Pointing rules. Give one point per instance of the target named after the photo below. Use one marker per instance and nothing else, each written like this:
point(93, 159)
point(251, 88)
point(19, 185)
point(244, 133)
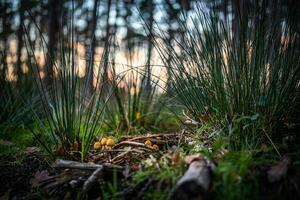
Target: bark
point(195, 183)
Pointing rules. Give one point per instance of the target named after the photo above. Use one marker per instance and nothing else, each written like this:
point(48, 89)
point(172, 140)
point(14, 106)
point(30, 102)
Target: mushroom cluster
point(149, 143)
point(104, 143)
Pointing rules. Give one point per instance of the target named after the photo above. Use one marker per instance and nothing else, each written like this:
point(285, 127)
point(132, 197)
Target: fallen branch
point(144, 137)
point(121, 155)
point(195, 183)
point(87, 184)
point(136, 144)
point(59, 163)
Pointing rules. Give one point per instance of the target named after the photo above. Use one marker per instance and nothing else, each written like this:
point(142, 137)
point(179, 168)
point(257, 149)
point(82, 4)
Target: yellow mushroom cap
point(148, 142)
point(110, 142)
point(103, 141)
point(155, 147)
point(97, 145)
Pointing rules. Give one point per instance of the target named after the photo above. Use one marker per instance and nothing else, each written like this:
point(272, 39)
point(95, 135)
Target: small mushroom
point(110, 142)
point(103, 141)
point(148, 143)
point(97, 145)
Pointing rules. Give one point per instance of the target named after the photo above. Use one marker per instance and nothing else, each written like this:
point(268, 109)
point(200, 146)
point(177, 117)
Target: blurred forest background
point(121, 22)
point(35, 36)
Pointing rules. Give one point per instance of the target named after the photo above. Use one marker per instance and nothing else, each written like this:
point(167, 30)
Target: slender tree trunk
point(107, 30)
point(225, 3)
point(90, 67)
point(150, 8)
point(171, 13)
point(4, 49)
point(5, 46)
point(20, 41)
point(115, 39)
point(53, 29)
point(130, 33)
point(107, 45)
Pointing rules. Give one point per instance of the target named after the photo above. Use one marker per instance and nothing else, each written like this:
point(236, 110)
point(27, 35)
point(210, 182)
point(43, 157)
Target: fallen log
point(195, 183)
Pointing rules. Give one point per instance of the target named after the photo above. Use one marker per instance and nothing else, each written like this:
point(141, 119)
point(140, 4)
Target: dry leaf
point(279, 170)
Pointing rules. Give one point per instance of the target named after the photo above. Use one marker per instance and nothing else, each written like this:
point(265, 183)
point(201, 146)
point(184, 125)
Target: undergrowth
point(223, 73)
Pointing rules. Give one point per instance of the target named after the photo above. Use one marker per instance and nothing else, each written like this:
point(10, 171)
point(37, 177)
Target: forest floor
point(146, 167)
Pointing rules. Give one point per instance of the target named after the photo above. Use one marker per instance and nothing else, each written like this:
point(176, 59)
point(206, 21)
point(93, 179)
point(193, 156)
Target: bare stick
point(137, 144)
point(133, 138)
point(121, 155)
point(87, 184)
point(59, 163)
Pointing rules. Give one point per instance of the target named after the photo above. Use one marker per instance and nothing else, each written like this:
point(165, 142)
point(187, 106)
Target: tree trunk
point(150, 8)
point(171, 13)
point(107, 45)
point(20, 41)
point(53, 29)
point(90, 66)
point(225, 3)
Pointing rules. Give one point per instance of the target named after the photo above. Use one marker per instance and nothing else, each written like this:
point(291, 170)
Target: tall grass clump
point(9, 103)
point(135, 106)
point(14, 98)
point(227, 72)
point(71, 114)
